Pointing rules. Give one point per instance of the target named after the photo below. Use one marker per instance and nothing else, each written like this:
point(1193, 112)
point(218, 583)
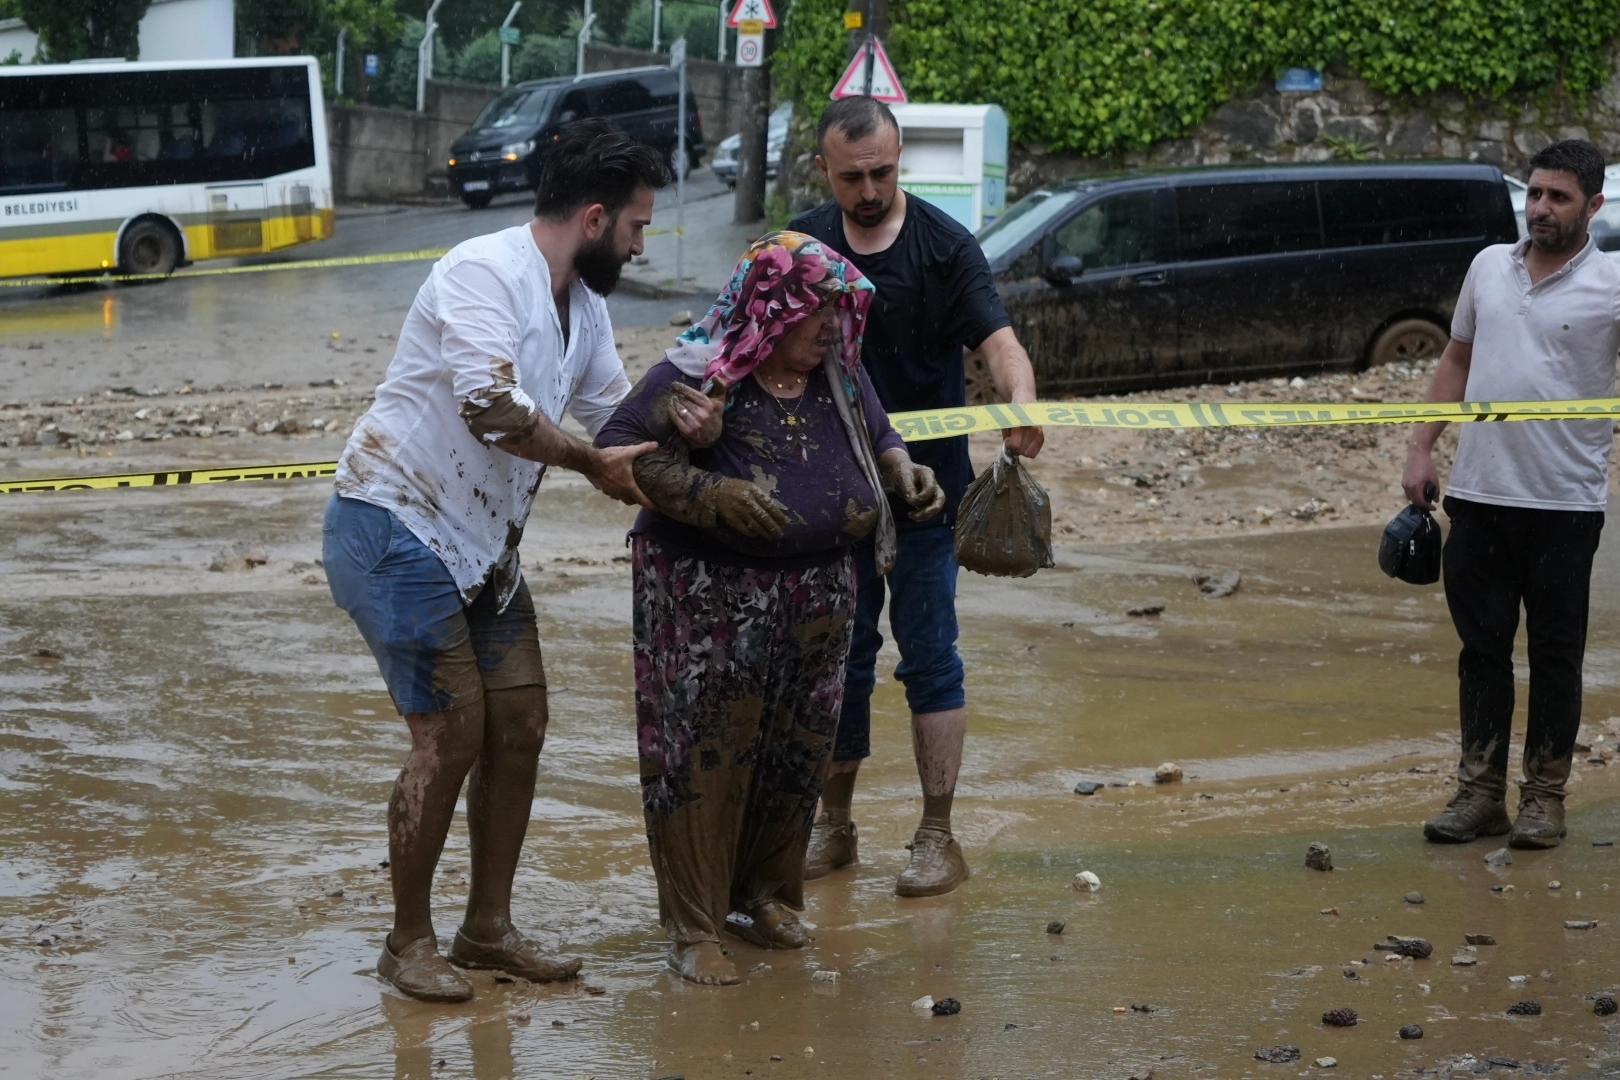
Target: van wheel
point(478, 201)
point(1408, 341)
point(981, 389)
point(149, 247)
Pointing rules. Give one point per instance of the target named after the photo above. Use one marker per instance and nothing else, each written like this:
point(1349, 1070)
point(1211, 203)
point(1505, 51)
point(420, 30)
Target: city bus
point(137, 168)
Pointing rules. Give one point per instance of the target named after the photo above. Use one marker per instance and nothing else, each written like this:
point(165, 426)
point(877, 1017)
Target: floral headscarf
point(780, 281)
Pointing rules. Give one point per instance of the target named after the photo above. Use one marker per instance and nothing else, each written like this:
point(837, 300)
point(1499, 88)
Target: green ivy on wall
point(1104, 76)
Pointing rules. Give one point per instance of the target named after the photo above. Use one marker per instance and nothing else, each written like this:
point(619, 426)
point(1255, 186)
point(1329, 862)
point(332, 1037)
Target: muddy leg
point(499, 796)
point(838, 793)
point(444, 746)
point(936, 738)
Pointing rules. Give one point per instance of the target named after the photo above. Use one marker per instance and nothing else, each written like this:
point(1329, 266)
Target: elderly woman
point(745, 588)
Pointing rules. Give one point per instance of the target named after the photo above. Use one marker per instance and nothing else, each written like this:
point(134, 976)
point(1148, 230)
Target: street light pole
point(337, 67)
point(506, 50)
point(584, 40)
point(424, 57)
point(720, 49)
point(677, 60)
point(658, 22)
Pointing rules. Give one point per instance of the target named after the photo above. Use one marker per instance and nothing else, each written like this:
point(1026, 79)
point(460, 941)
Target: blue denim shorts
point(435, 652)
point(922, 616)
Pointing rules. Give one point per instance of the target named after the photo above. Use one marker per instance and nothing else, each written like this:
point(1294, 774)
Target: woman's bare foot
point(703, 962)
point(775, 926)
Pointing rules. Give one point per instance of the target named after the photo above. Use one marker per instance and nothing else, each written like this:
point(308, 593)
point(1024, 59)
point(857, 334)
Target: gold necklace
point(792, 416)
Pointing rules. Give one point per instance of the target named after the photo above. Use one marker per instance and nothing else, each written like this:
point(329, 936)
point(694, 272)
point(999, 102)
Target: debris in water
point(1086, 881)
point(46, 654)
point(1328, 911)
point(1465, 957)
point(1277, 1055)
point(558, 1024)
point(1144, 1008)
point(1501, 889)
point(824, 976)
point(1500, 857)
point(1412, 1031)
point(594, 990)
point(1087, 787)
point(1317, 857)
point(1604, 1006)
point(1168, 773)
point(924, 1002)
point(1479, 939)
point(1525, 1008)
point(1603, 843)
point(1414, 898)
point(1147, 607)
point(1055, 926)
point(1415, 947)
point(1340, 1018)
point(1555, 885)
point(947, 1007)
point(1518, 979)
point(1218, 586)
point(1580, 924)
point(1327, 1063)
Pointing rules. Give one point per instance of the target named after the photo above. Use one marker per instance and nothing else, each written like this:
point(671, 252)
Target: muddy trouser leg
point(854, 738)
point(697, 720)
point(804, 690)
point(1483, 575)
point(1560, 546)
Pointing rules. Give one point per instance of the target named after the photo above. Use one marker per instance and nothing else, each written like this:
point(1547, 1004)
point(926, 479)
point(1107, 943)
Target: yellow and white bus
point(139, 168)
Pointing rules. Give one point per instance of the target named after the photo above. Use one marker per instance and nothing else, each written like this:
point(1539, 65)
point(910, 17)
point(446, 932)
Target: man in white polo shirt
point(433, 492)
point(1536, 320)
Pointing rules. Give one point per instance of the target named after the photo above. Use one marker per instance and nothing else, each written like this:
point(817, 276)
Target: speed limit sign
point(751, 49)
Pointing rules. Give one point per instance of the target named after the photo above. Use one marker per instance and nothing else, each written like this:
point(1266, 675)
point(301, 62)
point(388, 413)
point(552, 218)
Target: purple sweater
point(808, 467)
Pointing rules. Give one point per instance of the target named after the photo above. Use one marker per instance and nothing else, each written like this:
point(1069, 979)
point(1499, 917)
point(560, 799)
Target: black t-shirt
point(935, 296)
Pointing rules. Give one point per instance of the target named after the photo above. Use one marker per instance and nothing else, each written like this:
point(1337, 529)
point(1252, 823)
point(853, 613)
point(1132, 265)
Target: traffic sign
point(509, 35)
point(753, 9)
point(751, 49)
point(885, 83)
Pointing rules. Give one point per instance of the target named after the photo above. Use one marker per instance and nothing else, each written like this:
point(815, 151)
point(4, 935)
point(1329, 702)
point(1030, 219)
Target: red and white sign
point(750, 50)
point(885, 83)
point(752, 11)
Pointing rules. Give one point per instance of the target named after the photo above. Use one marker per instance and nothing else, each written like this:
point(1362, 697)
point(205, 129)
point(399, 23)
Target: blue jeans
point(922, 617)
point(435, 652)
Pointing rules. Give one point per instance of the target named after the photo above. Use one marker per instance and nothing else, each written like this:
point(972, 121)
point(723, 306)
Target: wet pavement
point(194, 791)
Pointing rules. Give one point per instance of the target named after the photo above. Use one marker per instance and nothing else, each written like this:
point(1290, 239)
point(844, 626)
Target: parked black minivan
point(1144, 279)
point(502, 152)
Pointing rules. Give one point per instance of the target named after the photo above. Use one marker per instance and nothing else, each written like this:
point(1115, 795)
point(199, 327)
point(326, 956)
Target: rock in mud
point(1340, 1018)
point(680, 318)
point(824, 975)
point(1055, 926)
point(1168, 773)
point(1412, 1031)
point(1580, 924)
point(1415, 947)
point(1087, 787)
point(46, 654)
point(1218, 586)
point(946, 1007)
point(1604, 1006)
point(1086, 881)
point(1317, 857)
point(1327, 1063)
point(1465, 957)
point(1145, 1008)
point(1524, 1008)
point(1500, 857)
point(1479, 939)
point(1277, 1055)
point(1147, 608)
point(1414, 898)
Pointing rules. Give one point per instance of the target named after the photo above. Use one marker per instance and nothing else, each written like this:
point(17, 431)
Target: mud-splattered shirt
point(808, 466)
point(483, 327)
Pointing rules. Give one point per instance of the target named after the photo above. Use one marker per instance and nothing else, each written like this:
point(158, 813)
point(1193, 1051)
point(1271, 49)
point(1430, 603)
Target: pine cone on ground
point(1340, 1018)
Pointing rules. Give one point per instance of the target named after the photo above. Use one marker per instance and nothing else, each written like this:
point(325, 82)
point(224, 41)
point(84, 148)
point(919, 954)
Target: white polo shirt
point(483, 321)
point(1556, 339)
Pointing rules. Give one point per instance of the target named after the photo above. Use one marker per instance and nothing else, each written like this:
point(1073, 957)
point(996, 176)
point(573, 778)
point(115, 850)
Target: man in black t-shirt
point(935, 295)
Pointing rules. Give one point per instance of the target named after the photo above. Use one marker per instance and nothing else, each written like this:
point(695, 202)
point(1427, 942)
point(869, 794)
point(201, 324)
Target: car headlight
point(513, 151)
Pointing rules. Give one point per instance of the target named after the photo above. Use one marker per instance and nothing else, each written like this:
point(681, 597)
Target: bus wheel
point(149, 247)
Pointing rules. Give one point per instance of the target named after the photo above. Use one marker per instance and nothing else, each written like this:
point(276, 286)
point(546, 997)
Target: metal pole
point(677, 55)
point(871, 47)
point(720, 49)
point(584, 40)
point(658, 22)
point(424, 57)
point(337, 68)
point(506, 50)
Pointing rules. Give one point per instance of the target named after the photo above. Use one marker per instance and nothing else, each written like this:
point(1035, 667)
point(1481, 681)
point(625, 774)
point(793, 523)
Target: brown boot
point(831, 846)
point(515, 955)
point(936, 866)
point(1469, 814)
point(420, 972)
point(1540, 823)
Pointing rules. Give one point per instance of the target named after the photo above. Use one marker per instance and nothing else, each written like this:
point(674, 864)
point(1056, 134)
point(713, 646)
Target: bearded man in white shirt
point(1536, 321)
point(433, 492)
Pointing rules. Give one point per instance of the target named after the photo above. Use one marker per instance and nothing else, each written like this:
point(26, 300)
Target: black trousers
point(1497, 557)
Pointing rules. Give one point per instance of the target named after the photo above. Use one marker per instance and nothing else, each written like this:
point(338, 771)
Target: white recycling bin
point(955, 157)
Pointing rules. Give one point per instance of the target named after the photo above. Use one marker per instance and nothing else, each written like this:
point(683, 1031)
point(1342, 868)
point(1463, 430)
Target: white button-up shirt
point(483, 323)
point(1553, 340)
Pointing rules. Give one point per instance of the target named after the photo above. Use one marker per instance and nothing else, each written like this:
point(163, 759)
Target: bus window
point(39, 149)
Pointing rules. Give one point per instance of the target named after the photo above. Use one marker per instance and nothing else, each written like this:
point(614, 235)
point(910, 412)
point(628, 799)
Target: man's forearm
point(525, 432)
point(1010, 369)
point(1450, 383)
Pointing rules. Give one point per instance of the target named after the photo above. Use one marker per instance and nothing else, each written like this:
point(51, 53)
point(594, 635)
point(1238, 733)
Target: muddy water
point(192, 800)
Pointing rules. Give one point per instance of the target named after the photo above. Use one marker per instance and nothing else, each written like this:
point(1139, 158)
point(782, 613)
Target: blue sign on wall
point(372, 65)
point(1300, 81)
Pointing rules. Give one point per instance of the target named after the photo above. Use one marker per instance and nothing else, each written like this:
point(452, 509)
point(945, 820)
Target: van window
point(575, 106)
point(1359, 212)
point(1223, 221)
point(1114, 232)
point(618, 98)
point(665, 90)
point(515, 107)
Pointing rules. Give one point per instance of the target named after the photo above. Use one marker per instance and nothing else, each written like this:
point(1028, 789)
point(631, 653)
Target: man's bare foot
point(703, 962)
point(774, 926)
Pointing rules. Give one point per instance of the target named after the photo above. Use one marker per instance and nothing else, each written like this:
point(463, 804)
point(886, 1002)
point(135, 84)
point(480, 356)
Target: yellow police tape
point(255, 268)
point(944, 423)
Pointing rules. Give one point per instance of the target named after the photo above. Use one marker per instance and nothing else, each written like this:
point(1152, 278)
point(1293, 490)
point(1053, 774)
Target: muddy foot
point(702, 962)
point(774, 926)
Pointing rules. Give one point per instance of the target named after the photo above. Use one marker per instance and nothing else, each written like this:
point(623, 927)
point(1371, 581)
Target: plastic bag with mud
point(1004, 525)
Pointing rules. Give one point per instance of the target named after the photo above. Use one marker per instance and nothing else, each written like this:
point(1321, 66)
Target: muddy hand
point(747, 508)
point(697, 417)
point(914, 483)
point(610, 473)
point(1024, 441)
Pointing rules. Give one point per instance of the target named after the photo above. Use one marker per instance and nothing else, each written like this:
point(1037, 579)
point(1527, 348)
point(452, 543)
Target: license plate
point(475, 185)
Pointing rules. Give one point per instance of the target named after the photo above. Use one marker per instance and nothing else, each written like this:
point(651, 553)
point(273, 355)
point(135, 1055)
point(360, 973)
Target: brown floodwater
point(192, 820)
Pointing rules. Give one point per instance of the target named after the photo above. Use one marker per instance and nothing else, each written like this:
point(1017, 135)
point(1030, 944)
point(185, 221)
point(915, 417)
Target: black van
point(1146, 279)
point(502, 151)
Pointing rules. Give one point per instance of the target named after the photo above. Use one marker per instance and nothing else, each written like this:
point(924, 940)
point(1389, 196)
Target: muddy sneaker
point(1467, 815)
point(515, 955)
point(420, 972)
point(831, 846)
point(936, 866)
point(1540, 823)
